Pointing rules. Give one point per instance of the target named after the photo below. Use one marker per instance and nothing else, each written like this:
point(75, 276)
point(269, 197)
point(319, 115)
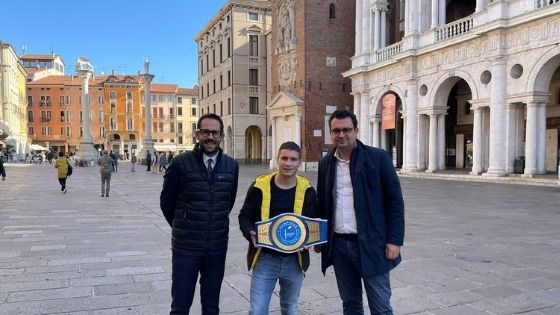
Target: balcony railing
point(389, 51)
point(455, 28)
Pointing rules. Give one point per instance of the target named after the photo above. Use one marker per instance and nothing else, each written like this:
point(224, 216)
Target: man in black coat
point(148, 159)
point(360, 195)
point(199, 190)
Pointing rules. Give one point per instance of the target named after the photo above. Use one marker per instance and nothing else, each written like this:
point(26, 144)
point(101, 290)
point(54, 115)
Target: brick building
point(311, 43)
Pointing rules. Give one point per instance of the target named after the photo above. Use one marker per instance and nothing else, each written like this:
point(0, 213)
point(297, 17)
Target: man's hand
point(254, 238)
point(392, 251)
point(317, 248)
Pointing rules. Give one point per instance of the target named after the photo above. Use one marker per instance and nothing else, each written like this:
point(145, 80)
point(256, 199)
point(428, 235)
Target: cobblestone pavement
point(471, 248)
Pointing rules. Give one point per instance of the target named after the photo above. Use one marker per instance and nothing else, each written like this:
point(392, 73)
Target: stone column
point(87, 152)
point(415, 16)
point(147, 141)
point(477, 142)
point(383, 141)
point(357, 108)
point(441, 142)
point(511, 131)
point(376, 121)
point(411, 127)
point(479, 5)
point(405, 154)
point(376, 29)
point(531, 142)
point(497, 119)
point(383, 28)
point(433, 156)
point(485, 138)
point(407, 17)
point(435, 13)
point(363, 119)
point(273, 150)
point(366, 27)
point(541, 136)
point(359, 27)
point(298, 129)
point(442, 7)
point(422, 131)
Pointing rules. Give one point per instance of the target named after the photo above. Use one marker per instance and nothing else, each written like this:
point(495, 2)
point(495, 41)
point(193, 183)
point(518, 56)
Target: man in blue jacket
point(360, 195)
point(199, 190)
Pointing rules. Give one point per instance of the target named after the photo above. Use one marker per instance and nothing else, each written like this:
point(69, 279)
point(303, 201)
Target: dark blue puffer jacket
point(196, 206)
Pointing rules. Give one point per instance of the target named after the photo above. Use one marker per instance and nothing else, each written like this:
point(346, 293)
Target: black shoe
point(102, 195)
point(107, 195)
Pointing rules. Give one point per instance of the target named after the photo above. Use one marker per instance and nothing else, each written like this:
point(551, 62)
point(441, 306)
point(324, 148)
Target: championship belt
point(288, 232)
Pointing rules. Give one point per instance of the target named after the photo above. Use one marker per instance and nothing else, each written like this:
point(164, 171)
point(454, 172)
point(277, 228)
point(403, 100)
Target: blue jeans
point(187, 264)
point(133, 169)
point(348, 272)
point(269, 269)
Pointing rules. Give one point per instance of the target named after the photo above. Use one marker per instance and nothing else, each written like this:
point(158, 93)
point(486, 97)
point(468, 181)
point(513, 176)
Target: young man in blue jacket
point(360, 195)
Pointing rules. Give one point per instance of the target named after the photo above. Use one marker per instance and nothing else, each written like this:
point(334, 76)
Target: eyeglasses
point(345, 131)
point(207, 132)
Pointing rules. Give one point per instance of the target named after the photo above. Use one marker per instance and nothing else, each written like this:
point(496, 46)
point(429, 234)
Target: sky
point(112, 34)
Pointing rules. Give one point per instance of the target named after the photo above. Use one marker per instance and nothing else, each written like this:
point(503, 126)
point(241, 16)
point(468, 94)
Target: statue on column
point(146, 65)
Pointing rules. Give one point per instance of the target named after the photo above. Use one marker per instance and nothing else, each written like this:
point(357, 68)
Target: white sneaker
point(65, 189)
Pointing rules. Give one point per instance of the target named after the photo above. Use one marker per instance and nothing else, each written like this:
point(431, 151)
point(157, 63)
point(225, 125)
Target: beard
point(204, 145)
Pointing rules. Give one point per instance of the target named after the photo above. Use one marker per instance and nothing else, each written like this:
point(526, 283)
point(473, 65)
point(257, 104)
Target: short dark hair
point(341, 114)
point(290, 145)
point(60, 153)
point(210, 116)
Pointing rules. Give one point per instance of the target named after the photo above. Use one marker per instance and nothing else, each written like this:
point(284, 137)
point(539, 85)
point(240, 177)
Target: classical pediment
point(254, 29)
point(285, 99)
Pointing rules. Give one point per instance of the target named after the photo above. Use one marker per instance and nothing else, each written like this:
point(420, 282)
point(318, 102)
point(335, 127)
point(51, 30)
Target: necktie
point(210, 167)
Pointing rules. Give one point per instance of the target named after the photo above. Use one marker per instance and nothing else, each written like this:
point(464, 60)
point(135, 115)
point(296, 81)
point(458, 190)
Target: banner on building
point(388, 111)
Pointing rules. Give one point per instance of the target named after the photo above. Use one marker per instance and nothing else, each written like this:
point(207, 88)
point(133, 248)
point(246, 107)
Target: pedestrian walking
point(360, 195)
point(199, 190)
point(115, 161)
point(2, 168)
point(148, 160)
point(105, 168)
point(269, 196)
point(162, 162)
point(133, 161)
point(62, 164)
point(50, 157)
point(155, 168)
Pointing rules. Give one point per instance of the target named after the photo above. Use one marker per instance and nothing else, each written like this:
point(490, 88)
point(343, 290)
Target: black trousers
point(62, 182)
point(186, 267)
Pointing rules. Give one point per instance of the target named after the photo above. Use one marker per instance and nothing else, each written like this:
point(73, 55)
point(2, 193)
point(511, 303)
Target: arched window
point(332, 11)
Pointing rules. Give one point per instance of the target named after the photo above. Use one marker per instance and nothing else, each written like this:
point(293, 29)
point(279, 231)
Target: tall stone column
point(359, 27)
point(531, 142)
point(432, 155)
point(87, 152)
point(376, 29)
point(441, 142)
point(477, 142)
point(498, 119)
point(442, 9)
point(147, 141)
point(541, 136)
point(405, 154)
point(273, 150)
point(383, 28)
point(298, 129)
point(422, 132)
point(366, 27)
point(435, 13)
point(363, 123)
point(376, 122)
point(511, 132)
point(411, 127)
point(479, 5)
